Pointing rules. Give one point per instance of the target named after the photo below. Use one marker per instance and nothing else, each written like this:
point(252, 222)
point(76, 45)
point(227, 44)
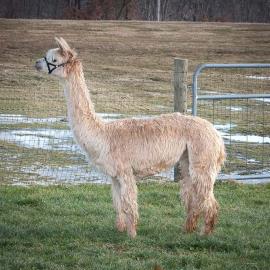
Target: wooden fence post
point(180, 96)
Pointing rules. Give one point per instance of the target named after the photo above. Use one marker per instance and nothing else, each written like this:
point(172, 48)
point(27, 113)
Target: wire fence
point(244, 122)
point(36, 144)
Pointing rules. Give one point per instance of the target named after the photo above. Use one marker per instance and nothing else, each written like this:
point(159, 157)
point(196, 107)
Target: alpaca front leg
point(128, 190)
point(120, 216)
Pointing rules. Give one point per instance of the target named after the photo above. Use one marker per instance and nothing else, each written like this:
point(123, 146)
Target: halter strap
point(49, 64)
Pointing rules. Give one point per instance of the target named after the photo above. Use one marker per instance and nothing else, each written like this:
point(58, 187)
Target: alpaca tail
point(222, 154)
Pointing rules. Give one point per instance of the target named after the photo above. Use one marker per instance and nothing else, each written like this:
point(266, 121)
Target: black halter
point(50, 70)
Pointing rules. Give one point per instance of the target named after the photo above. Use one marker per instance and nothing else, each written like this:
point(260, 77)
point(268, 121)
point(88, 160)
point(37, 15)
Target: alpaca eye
point(54, 60)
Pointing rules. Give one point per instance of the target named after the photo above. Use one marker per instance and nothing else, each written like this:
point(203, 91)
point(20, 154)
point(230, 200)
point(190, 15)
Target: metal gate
point(236, 99)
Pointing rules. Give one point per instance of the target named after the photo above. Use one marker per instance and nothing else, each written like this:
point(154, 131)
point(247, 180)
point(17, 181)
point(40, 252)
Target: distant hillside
point(164, 10)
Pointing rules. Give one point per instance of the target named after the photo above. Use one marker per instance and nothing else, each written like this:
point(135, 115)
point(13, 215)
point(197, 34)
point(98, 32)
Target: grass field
point(72, 227)
point(127, 65)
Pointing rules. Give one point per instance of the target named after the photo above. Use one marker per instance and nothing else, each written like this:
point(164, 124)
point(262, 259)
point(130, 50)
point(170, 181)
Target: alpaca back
point(156, 144)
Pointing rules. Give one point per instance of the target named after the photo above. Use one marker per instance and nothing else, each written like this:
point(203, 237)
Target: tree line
point(151, 10)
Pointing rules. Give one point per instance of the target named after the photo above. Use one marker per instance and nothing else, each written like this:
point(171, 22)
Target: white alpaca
point(129, 149)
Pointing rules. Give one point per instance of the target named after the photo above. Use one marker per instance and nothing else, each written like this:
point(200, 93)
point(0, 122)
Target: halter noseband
point(50, 70)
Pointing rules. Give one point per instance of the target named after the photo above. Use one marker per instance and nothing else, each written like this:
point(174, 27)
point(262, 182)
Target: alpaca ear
point(65, 48)
point(62, 44)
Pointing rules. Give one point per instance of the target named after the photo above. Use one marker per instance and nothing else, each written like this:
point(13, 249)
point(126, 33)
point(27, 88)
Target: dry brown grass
point(127, 64)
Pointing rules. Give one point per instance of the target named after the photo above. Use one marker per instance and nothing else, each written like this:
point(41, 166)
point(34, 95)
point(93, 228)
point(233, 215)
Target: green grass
point(72, 227)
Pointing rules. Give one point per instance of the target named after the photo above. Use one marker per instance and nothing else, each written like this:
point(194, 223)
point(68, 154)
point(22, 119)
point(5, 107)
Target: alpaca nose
point(37, 65)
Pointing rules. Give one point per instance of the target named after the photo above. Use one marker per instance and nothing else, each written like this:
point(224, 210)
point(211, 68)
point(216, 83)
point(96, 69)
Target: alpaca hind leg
point(192, 220)
point(187, 194)
point(204, 200)
point(185, 181)
point(128, 191)
point(191, 205)
point(203, 169)
point(210, 214)
point(116, 195)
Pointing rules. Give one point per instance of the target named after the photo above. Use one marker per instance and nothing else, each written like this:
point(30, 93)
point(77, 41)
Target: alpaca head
point(59, 61)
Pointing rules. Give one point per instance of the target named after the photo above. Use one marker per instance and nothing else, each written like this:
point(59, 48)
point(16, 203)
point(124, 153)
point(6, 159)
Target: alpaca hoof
point(209, 226)
point(189, 230)
point(131, 230)
point(189, 227)
point(120, 226)
point(207, 231)
point(132, 233)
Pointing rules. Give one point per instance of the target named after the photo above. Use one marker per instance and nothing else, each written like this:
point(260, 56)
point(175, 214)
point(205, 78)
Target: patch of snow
point(258, 77)
point(247, 138)
point(234, 108)
point(69, 174)
point(255, 181)
point(22, 119)
point(266, 100)
point(224, 127)
point(47, 139)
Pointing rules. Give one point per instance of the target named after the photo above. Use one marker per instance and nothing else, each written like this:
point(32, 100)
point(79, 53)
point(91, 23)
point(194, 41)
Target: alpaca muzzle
point(51, 67)
point(38, 65)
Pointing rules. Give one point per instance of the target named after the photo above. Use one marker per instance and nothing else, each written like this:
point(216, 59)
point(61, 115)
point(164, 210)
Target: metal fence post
point(180, 95)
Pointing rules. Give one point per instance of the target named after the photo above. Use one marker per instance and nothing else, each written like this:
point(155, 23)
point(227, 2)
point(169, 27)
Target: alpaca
point(130, 149)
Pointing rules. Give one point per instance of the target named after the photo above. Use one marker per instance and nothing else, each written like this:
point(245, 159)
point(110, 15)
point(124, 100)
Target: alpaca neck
point(80, 105)
point(86, 125)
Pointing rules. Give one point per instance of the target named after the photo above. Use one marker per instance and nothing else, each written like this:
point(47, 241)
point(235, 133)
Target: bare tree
point(158, 10)
point(197, 10)
point(123, 7)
